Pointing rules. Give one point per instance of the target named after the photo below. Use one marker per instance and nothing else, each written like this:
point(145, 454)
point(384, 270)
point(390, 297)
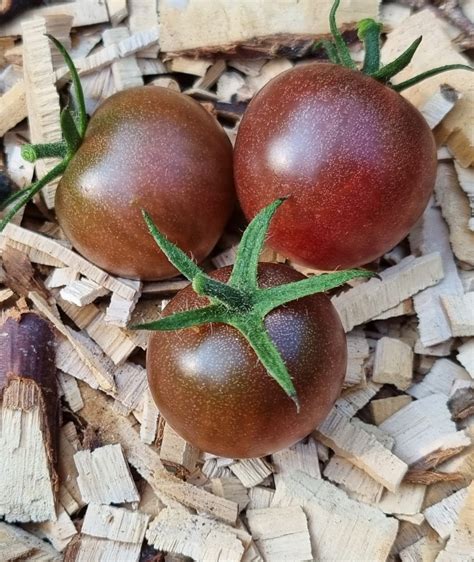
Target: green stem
point(389, 70)
point(428, 74)
point(33, 152)
point(341, 47)
point(330, 49)
point(30, 192)
point(368, 32)
point(240, 302)
point(78, 91)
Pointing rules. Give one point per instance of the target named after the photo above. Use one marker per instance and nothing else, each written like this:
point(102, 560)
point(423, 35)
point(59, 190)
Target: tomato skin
point(210, 387)
point(150, 148)
point(357, 159)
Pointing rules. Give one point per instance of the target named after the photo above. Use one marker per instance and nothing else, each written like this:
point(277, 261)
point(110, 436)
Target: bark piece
point(422, 428)
point(29, 426)
point(104, 476)
point(362, 448)
point(393, 363)
point(367, 300)
point(280, 533)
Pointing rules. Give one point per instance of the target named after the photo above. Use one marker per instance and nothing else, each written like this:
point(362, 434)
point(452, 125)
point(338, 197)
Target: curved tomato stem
point(341, 47)
point(368, 32)
point(428, 74)
point(33, 152)
point(240, 302)
point(330, 49)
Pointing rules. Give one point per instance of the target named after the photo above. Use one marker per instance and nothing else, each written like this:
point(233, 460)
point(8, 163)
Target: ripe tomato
point(210, 387)
point(357, 160)
point(152, 148)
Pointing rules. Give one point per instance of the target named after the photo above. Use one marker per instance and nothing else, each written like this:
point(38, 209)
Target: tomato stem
point(33, 152)
point(423, 76)
point(240, 302)
point(340, 45)
point(368, 32)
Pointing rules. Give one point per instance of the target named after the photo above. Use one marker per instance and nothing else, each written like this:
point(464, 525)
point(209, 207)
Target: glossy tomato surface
point(357, 160)
point(147, 148)
point(209, 385)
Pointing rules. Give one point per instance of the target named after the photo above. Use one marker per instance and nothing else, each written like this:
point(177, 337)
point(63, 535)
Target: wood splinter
point(29, 420)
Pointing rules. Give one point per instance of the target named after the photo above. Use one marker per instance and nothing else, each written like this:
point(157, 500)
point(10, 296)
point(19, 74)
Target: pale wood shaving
point(61, 276)
point(125, 71)
point(353, 400)
point(260, 497)
point(12, 107)
point(93, 548)
point(16, 543)
point(118, 11)
point(423, 427)
point(82, 291)
point(465, 356)
point(383, 408)
point(251, 472)
point(435, 109)
point(104, 476)
point(338, 524)
point(114, 523)
point(357, 355)
point(67, 257)
point(456, 211)
point(202, 539)
point(466, 181)
point(143, 17)
point(393, 363)
point(23, 450)
point(423, 550)
point(59, 533)
point(149, 423)
point(364, 302)
point(407, 500)
point(280, 533)
point(232, 489)
point(460, 311)
point(363, 449)
point(439, 380)
point(442, 516)
point(174, 449)
point(436, 50)
point(431, 234)
point(70, 391)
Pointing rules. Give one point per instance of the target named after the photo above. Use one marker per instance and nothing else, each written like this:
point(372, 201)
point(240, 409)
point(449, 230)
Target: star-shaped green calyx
point(73, 127)
point(369, 32)
point(240, 302)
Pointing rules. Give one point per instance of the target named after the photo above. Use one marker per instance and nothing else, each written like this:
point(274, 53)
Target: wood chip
point(143, 17)
point(422, 428)
point(439, 105)
point(120, 310)
point(29, 420)
point(431, 234)
point(393, 363)
point(61, 276)
point(362, 303)
point(115, 523)
point(466, 182)
point(456, 211)
point(225, 24)
point(12, 107)
point(200, 538)
point(260, 497)
point(383, 408)
point(70, 391)
point(59, 533)
point(407, 500)
point(149, 423)
point(251, 472)
point(466, 356)
point(357, 355)
point(461, 542)
point(82, 291)
point(175, 450)
point(125, 71)
point(439, 380)
point(16, 544)
point(67, 257)
point(118, 11)
point(442, 516)
point(457, 128)
point(232, 489)
point(460, 311)
point(361, 448)
point(104, 476)
point(338, 525)
point(280, 533)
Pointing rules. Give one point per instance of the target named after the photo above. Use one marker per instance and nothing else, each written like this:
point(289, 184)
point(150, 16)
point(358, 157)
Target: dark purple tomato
point(147, 148)
point(357, 160)
point(211, 388)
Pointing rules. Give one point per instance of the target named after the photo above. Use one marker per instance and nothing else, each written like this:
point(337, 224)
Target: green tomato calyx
point(73, 126)
point(369, 32)
point(240, 302)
